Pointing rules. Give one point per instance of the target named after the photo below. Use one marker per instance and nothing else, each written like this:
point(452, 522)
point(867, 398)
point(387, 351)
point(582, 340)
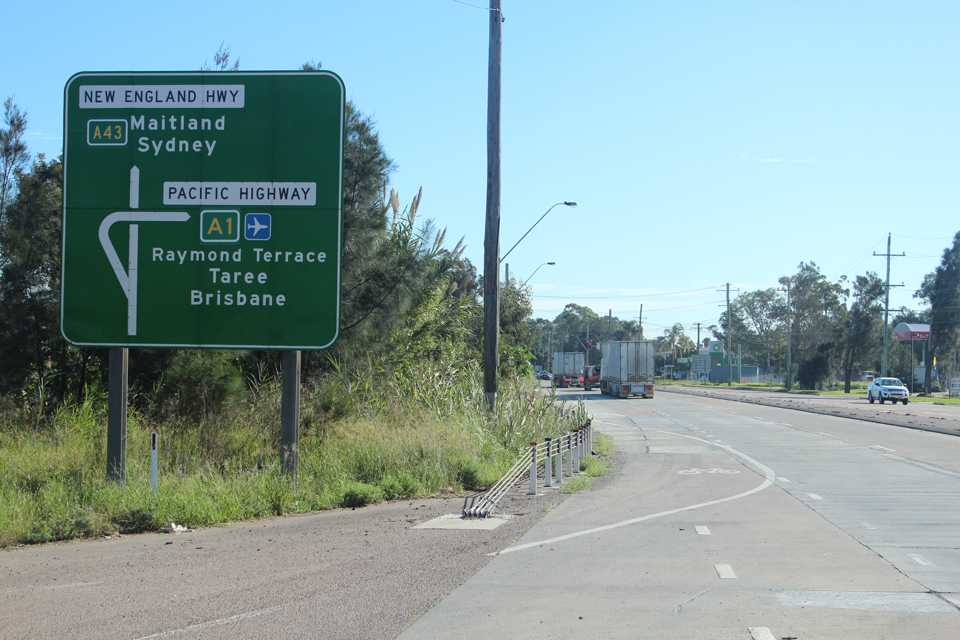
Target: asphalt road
point(722, 520)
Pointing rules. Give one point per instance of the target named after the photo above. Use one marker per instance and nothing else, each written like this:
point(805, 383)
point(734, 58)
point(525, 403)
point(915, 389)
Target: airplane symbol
point(257, 226)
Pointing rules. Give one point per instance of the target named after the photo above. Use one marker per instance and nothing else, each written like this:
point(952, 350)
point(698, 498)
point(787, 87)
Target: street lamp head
point(535, 271)
point(569, 204)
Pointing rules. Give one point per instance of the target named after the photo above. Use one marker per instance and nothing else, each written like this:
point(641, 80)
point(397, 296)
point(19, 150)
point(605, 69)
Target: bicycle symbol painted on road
point(698, 471)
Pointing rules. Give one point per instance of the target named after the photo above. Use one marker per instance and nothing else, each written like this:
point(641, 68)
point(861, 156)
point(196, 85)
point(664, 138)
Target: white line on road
point(879, 448)
point(919, 559)
point(213, 623)
point(867, 525)
point(725, 571)
point(783, 480)
point(761, 633)
point(813, 496)
point(702, 530)
point(768, 474)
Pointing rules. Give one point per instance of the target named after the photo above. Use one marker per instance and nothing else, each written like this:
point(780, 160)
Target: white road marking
point(679, 607)
point(767, 472)
point(783, 480)
point(910, 602)
point(814, 496)
point(702, 530)
point(919, 559)
point(213, 623)
point(866, 525)
point(879, 448)
point(725, 571)
point(71, 585)
point(761, 633)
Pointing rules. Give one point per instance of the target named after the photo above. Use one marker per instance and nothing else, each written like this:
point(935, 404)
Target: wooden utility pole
point(491, 241)
point(886, 304)
point(729, 337)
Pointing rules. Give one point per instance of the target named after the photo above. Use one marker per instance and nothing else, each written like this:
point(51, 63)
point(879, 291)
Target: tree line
point(824, 326)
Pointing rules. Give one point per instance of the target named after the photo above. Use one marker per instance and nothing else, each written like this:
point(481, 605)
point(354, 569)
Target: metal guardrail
point(555, 457)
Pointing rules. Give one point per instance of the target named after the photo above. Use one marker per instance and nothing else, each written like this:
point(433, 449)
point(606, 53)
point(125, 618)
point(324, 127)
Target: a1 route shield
point(202, 209)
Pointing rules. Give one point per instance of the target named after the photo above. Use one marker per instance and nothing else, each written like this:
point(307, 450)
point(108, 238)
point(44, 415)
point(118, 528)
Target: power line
point(617, 297)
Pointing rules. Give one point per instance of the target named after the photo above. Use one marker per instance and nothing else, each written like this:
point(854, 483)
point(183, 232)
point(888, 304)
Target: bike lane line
point(767, 472)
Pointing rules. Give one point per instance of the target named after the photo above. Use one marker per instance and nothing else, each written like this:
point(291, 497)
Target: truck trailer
point(627, 368)
point(567, 368)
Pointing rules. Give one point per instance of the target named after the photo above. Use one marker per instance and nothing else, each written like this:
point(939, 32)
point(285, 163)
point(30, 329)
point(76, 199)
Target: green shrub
point(595, 467)
point(136, 520)
point(576, 485)
point(76, 523)
point(604, 445)
point(475, 475)
point(359, 494)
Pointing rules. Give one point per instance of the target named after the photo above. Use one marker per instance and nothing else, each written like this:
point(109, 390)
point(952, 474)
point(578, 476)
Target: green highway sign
point(202, 209)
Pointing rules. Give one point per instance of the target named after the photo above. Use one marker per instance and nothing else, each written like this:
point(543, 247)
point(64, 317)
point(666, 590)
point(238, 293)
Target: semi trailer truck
point(627, 368)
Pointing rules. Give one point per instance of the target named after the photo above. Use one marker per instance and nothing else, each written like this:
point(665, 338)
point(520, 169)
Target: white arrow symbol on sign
point(128, 277)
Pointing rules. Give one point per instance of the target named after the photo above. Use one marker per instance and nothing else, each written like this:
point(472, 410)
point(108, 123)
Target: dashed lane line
point(919, 559)
point(725, 571)
point(761, 633)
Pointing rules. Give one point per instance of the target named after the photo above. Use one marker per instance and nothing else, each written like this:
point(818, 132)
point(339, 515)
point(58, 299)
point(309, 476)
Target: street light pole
point(569, 204)
point(535, 272)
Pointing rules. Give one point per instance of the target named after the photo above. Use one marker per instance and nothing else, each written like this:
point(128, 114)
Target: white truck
point(567, 368)
point(626, 368)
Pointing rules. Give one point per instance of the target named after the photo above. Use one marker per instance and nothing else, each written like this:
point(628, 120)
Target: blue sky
point(705, 142)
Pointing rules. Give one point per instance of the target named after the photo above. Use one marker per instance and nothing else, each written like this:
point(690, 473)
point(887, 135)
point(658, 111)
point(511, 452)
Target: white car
point(884, 389)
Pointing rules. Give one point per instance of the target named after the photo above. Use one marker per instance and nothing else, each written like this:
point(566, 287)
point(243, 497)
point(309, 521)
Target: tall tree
point(13, 153)
point(30, 341)
point(763, 318)
point(816, 305)
point(857, 330)
point(572, 324)
point(941, 290)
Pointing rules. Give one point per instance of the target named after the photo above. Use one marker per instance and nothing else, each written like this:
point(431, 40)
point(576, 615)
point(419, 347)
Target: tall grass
point(365, 437)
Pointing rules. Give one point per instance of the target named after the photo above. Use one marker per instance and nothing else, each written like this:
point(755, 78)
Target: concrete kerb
point(823, 412)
